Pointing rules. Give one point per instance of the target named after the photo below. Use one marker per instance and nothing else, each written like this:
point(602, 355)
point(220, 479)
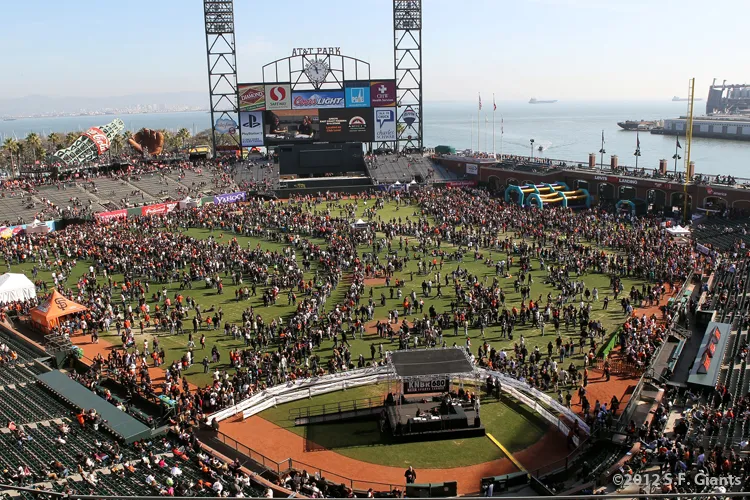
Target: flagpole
point(494, 109)
point(485, 131)
point(502, 133)
point(471, 131)
point(637, 149)
point(601, 151)
point(676, 155)
point(479, 110)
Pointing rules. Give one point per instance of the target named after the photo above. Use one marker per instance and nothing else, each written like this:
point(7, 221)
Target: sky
point(549, 49)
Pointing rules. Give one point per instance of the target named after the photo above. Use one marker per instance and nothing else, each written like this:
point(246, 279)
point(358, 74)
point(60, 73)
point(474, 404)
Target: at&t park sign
point(311, 51)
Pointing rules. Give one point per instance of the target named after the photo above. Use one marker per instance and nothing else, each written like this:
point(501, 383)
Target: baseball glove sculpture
point(151, 140)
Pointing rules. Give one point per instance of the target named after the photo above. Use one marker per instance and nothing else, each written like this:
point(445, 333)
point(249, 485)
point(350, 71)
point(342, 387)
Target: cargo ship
point(639, 124)
point(534, 100)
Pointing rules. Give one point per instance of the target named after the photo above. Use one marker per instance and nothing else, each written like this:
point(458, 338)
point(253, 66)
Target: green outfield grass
point(175, 346)
point(513, 424)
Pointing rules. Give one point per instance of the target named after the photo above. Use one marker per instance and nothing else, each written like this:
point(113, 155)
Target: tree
point(55, 141)
point(71, 137)
point(10, 146)
point(183, 135)
point(117, 143)
point(34, 145)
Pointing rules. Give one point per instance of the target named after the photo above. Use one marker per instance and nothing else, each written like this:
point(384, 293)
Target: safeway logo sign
point(278, 97)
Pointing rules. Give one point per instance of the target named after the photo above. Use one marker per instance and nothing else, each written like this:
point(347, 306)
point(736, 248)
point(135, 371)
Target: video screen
point(288, 126)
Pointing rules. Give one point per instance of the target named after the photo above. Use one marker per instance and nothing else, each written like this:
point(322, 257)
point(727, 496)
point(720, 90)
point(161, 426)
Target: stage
point(437, 420)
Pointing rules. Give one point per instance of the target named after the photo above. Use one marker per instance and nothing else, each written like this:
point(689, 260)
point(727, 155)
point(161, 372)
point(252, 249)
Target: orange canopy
point(46, 315)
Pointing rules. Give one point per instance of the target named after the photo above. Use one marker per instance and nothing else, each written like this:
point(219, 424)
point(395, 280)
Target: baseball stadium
point(317, 305)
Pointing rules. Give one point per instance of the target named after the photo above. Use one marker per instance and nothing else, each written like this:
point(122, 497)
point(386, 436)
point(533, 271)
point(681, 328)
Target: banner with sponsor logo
point(229, 197)
point(114, 214)
point(159, 208)
point(358, 96)
point(278, 97)
point(472, 169)
point(251, 128)
point(226, 125)
point(317, 99)
point(383, 93)
point(385, 124)
point(459, 184)
point(99, 138)
point(346, 125)
point(417, 386)
point(252, 96)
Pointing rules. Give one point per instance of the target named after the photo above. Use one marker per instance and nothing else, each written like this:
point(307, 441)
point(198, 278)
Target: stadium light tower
point(222, 70)
point(407, 48)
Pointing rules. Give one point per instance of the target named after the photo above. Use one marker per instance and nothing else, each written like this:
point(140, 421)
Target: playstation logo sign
point(252, 122)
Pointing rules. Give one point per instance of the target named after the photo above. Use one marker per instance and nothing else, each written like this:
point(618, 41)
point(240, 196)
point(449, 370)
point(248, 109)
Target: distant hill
point(35, 104)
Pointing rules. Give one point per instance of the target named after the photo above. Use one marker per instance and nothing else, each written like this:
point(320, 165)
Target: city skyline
point(560, 49)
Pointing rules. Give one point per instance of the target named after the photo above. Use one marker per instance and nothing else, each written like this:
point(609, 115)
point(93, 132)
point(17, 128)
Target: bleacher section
point(386, 169)
point(43, 446)
point(729, 297)
point(722, 233)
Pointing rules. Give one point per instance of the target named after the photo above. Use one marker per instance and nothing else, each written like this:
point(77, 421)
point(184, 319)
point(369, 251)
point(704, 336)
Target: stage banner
point(159, 208)
point(230, 197)
point(115, 214)
point(418, 386)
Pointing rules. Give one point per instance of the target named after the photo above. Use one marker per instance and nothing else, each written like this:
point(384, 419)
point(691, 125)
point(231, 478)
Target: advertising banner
point(385, 124)
point(252, 96)
point(472, 169)
point(99, 139)
point(357, 97)
point(460, 184)
point(251, 128)
point(226, 125)
point(115, 214)
point(289, 126)
point(159, 208)
point(229, 197)
point(417, 386)
point(278, 97)
point(317, 99)
point(346, 125)
point(383, 93)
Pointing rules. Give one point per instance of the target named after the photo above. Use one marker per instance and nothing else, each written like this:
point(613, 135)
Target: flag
point(637, 141)
point(480, 102)
point(501, 124)
point(494, 106)
point(678, 143)
point(602, 136)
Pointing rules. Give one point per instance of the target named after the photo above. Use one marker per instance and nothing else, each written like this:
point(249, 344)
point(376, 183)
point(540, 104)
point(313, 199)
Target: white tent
point(37, 227)
point(360, 224)
point(189, 203)
point(678, 231)
point(14, 286)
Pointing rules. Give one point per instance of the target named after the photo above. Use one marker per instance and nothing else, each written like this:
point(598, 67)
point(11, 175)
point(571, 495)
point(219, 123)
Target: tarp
point(15, 286)
point(119, 422)
point(46, 315)
point(360, 224)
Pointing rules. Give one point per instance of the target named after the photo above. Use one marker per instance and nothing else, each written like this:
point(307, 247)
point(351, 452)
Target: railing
point(338, 407)
point(562, 464)
point(283, 466)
